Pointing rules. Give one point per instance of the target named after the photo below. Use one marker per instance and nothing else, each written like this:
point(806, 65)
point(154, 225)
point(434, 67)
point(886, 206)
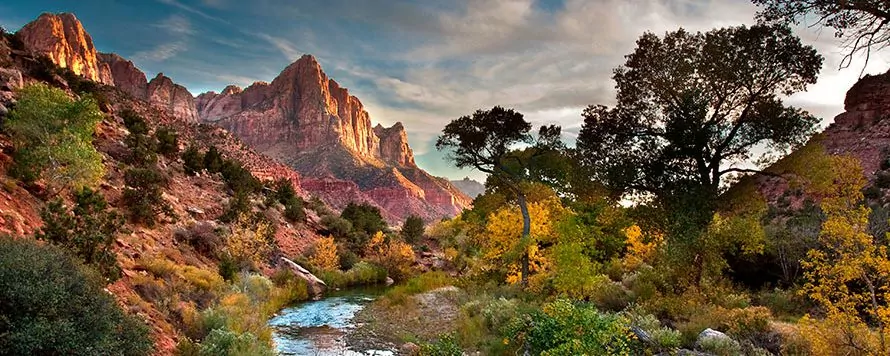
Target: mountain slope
point(311, 123)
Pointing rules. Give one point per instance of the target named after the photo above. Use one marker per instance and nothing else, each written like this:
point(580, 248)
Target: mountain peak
point(63, 39)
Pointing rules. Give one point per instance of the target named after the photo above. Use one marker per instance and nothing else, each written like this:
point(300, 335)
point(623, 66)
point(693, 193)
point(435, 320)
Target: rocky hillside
point(311, 123)
point(303, 119)
point(470, 187)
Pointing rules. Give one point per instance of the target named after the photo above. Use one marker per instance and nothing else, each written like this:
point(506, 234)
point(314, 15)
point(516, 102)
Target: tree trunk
point(526, 231)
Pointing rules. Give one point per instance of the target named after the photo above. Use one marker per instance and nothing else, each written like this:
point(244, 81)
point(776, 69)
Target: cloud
point(193, 10)
point(161, 52)
point(177, 25)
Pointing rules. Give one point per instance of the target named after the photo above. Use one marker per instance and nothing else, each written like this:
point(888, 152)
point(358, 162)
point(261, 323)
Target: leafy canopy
point(51, 305)
point(53, 136)
point(693, 105)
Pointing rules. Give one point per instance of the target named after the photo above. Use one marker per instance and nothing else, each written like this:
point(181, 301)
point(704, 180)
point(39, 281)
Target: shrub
point(168, 141)
point(364, 218)
point(143, 195)
point(239, 179)
point(223, 342)
point(420, 284)
point(142, 146)
point(324, 255)
point(720, 346)
point(213, 160)
point(203, 237)
point(52, 305)
point(446, 345)
point(412, 229)
point(250, 242)
point(53, 136)
point(238, 205)
point(396, 256)
point(88, 230)
point(283, 192)
point(192, 160)
point(336, 226)
point(566, 328)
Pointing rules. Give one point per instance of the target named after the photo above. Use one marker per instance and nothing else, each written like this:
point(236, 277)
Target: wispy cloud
point(161, 52)
point(177, 25)
point(286, 47)
point(193, 10)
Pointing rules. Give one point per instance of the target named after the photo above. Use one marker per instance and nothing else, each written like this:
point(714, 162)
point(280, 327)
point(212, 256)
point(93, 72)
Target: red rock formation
point(62, 38)
point(394, 147)
point(171, 97)
point(863, 129)
point(125, 75)
point(309, 122)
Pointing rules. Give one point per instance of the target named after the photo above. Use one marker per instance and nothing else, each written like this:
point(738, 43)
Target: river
point(320, 327)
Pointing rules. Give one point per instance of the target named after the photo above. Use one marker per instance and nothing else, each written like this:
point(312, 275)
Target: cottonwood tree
point(864, 25)
point(693, 107)
point(487, 141)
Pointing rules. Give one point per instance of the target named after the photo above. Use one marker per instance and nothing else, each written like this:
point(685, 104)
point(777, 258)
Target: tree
point(691, 108)
point(89, 230)
point(412, 229)
point(168, 141)
point(213, 161)
point(848, 276)
point(365, 220)
point(251, 241)
point(53, 136)
point(192, 160)
point(143, 195)
point(142, 146)
point(485, 141)
point(324, 255)
point(864, 25)
point(51, 305)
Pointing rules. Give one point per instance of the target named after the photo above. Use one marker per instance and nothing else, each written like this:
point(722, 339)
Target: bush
point(89, 230)
point(53, 137)
point(566, 328)
point(238, 205)
point(337, 226)
point(52, 305)
point(168, 141)
point(223, 342)
point(213, 160)
point(142, 146)
point(364, 218)
point(192, 160)
point(446, 345)
point(720, 346)
point(238, 179)
point(283, 192)
point(420, 284)
point(396, 256)
point(324, 255)
point(412, 229)
point(203, 237)
point(143, 197)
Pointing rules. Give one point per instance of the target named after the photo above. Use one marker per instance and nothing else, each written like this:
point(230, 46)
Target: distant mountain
point(470, 187)
point(311, 123)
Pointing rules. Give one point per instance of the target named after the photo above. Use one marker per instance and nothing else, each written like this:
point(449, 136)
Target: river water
point(319, 328)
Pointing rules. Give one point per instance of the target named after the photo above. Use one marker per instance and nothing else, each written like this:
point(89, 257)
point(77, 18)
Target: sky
point(424, 62)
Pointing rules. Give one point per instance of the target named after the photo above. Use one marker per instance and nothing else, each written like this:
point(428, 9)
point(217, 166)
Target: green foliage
point(567, 328)
point(223, 342)
point(213, 161)
point(52, 305)
point(53, 136)
point(283, 192)
point(168, 141)
point(337, 226)
point(192, 160)
point(361, 274)
point(365, 218)
point(143, 197)
point(143, 147)
point(720, 346)
point(446, 345)
point(88, 230)
point(420, 284)
point(412, 229)
point(238, 205)
point(237, 178)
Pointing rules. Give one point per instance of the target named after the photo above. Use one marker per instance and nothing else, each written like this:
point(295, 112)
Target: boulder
point(712, 335)
point(316, 286)
point(10, 79)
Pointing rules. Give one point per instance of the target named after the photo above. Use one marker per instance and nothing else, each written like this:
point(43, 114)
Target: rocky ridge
point(311, 123)
point(63, 39)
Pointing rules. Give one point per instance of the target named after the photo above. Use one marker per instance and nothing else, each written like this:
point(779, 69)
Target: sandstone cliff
point(311, 123)
point(62, 38)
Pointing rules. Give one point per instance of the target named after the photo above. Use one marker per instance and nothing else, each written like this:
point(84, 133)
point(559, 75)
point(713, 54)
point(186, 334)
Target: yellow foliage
point(396, 256)
point(325, 255)
point(250, 242)
point(502, 243)
point(849, 256)
point(638, 250)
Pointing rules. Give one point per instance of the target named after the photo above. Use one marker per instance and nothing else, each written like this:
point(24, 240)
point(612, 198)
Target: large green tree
point(53, 137)
point(693, 109)
point(488, 140)
point(864, 25)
